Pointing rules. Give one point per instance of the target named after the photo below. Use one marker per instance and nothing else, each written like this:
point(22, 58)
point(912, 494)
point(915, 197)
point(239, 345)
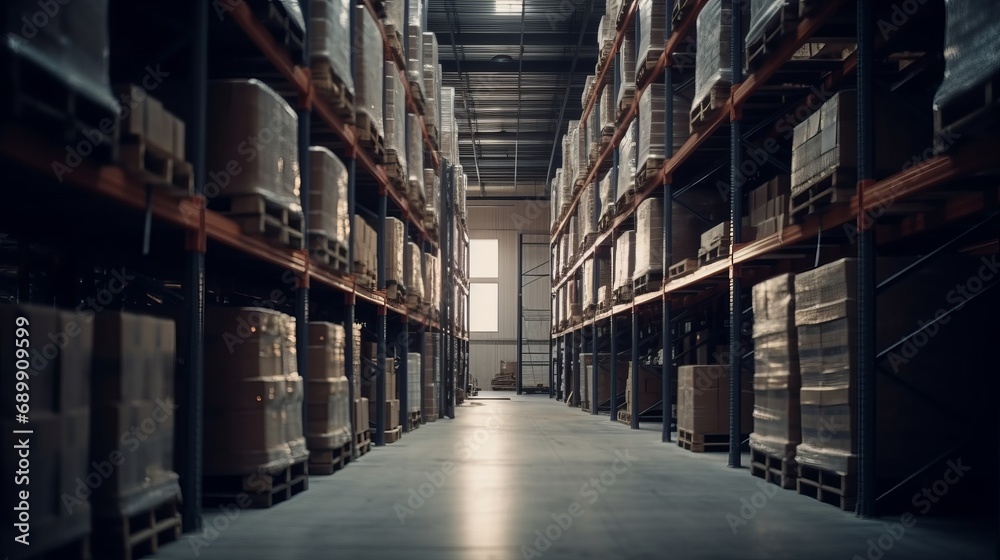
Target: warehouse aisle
point(492, 483)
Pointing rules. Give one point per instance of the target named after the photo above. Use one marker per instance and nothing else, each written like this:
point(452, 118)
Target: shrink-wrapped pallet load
point(328, 215)
point(713, 73)
point(330, 45)
point(369, 66)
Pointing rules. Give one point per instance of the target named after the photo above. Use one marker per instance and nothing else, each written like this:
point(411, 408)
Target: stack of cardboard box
point(703, 402)
point(328, 408)
point(769, 207)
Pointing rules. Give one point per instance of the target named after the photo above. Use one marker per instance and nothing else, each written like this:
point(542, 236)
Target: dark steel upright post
point(349, 357)
point(614, 368)
point(520, 309)
point(736, 233)
point(380, 329)
point(866, 393)
point(634, 372)
point(304, 113)
point(668, 241)
point(190, 378)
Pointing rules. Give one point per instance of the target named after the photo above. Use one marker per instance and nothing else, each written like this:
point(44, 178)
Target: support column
point(380, 328)
point(634, 371)
point(614, 368)
point(666, 341)
point(736, 234)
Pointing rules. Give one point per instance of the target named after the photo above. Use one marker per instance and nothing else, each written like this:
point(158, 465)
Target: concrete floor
point(518, 467)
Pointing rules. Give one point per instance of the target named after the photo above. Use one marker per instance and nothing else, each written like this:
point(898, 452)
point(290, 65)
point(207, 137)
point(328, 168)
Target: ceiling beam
point(504, 39)
point(560, 66)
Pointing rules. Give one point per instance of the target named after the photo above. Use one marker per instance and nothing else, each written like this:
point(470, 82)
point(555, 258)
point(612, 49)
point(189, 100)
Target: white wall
point(502, 220)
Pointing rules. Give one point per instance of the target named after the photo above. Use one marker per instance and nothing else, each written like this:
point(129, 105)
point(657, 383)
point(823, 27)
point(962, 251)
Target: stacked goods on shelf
point(769, 20)
point(414, 373)
point(415, 52)
point(71, 50)
point(626, 75)
point(359, 408)
point(391, 408)
point(394, 22)
point(578, 152)
point(652, 16)
point(607, 194)
point(395, 127)
point(329, 221)
point(605, 38)
point(415, 295)
point(777, 428)
point(330, 53)
point(588, 90)
point(415, 165)
point(602, 394)
point(648, 246)
point(395, 247)
point(585, 212)
point(624, 267)
point(769, 207)
point(262, 197)
point(59, 389)
point(575, 310)
point(429, 409)
point(328, 409)
point(365, 253)
point(151, 140)
point(432, 85)
point(132, 388)
point(461, 183)
point(565, 252)
point(506, 380)
point(607, 107)
point(357, 372)
point(967, 96)
point(650, 391)
point(449, 133)
point(604, 274)
point(574, 236)
point(369, 67)
point(628, 149)
point(253, 403)
point(824, 150)
point(593, 138)
point(589, 303)
point(432, 200)
point(713, 74)
point(703, 407)
point(431, 282)
point(652, 134)
point(826, 321)
point(716, 242)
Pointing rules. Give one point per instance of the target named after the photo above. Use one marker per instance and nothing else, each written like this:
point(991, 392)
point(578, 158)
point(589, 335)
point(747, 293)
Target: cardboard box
point(361, 416)
point(703, 400)
point(133, 98)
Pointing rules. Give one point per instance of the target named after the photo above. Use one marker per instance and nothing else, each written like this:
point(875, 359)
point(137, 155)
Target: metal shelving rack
point(618, 330)
point(206, 235)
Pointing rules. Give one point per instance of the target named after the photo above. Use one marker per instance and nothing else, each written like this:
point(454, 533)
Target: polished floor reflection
point(531, 478)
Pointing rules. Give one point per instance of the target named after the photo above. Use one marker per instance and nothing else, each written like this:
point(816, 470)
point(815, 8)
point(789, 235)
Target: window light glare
point(509, 6)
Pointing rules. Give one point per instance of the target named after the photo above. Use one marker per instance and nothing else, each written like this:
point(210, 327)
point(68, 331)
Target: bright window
point(485, 257)
point(509, 6)
point(484, 307)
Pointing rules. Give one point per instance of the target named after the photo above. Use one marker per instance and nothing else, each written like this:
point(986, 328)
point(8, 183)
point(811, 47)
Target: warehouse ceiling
point(512, 107)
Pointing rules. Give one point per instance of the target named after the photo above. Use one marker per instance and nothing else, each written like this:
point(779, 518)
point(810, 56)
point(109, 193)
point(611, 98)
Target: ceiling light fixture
point(506, 58)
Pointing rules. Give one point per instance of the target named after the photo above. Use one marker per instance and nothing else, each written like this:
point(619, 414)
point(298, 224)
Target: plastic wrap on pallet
point(432, 194)
point(413, 382)
point(567, 188)
point(588, 283)
point(328, 195)
point(713, 61)
point(971, 50)
point(607, 196)
point(71, 45)
point(395, 115)
point(627, 161)
point(761, 13)
point(604, 274)
point(574, 235)
point(593, 136)
point(777, 417)
point(294, 11)
point(649, 238)
point(369, 65)
point(607, 108)
point(819, 142)
point(652, 16)
point(241, 109)
point(414, 150)
point(415, 276)
point(330, 37)
point(626, 71)
point(588, 89)
point(328, 404)
point(606, 33)
point(395, 11)
point(652, 125)
point(430, 78)
point(395, 242)
point(449, 144)
point(586, 212)
point(415, 54)
point(624, 260)
point(703, 400)
point(825, 299)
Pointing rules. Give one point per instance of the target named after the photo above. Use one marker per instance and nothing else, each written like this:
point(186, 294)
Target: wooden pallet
point(395, 40)
point(625, 417)
point(604, 306)
point(132, 536)
point(683, 268)
point(776, 470)
point(708, 107)
point(363, 441)
point(413, 302)
point(364, 280)
point(394, 435)
point(649, 282)
point(625, 202)
point(836, 187)
point(625, 104)
point(329, 461)
point(417, 93)
point(395, 293)
point(781, 23)
point(649, 169)
point(368, 136)
point(262, 216)
point(622, 295)
point(329, 252)
point(713, 253)
point(414, 418)
point(263, 489)
point(829, 487)
point(331, 88)
point(153, 165)
point(973, 112)
point(605, 222)
point(700, 443)
point(620, 16)
point(643, 67)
